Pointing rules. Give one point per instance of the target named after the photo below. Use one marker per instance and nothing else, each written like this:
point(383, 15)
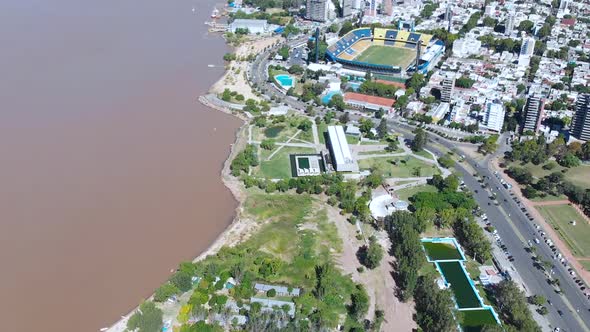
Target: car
point(537, 241)
point(560, 312)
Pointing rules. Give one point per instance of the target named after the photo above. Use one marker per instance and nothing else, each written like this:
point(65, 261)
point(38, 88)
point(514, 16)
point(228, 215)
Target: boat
point(215, 13)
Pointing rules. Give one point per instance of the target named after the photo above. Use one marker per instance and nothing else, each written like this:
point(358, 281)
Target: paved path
point(281, 145)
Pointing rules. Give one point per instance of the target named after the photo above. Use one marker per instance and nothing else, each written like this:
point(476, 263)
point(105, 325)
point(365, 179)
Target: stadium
point(386, 51)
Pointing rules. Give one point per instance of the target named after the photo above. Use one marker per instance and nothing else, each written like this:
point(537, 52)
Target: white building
point(526, 51)
point(494, 116)
point(510, 20)
point(467, 46)
point(439, 112)
point(340, 151)
point(253, 26)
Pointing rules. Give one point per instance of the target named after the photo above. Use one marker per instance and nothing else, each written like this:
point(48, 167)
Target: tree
point(538, 300)
point(464, 82)
point(305, 125)
point(148, 318)
point(382, 129)
point(165, 291)
point(337, 101)
point(420, 139)
point(346, 28)
point(226, 95)
point(392, 145)
point(182, 280)
point(344, 118)
point(489, 21)
point(433, 306)
point(359, 303)
point(365, 126)
point(513, 307)
point(371, 255)
point(569, 160)
point(271, 292)
point(268, 144)
point(526, 26)
point(374, 179)
point(229, 57)
point(416, 82)
point(284, 52)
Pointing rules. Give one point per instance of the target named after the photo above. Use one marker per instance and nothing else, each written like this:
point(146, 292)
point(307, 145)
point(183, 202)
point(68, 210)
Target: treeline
point(378, 89)
point(513, 308)
point(451, 208)
point(433, 306)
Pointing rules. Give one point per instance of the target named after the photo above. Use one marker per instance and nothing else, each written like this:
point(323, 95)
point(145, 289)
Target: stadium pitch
point(388, 55)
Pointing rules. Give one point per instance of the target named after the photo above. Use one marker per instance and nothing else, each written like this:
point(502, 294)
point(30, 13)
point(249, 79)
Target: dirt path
point(548, 203)
point(378, 282)
point(530, 206)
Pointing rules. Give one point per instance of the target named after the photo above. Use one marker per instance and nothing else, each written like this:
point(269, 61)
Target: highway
point(513, 226)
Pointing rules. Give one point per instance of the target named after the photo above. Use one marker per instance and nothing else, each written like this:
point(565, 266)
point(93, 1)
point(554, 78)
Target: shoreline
point(239, 228)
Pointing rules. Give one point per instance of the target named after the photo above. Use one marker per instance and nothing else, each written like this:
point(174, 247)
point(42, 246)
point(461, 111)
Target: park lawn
point(371, 142)
point(576, 237)
point(305, 136)
point(387, 55)
point(279, 166)
point(279, 132)
point(423, 153)
point(405, 166)
point(579, 175)
point(406, 193)
point(353, 140)
point(549, 198)
point(585, 264)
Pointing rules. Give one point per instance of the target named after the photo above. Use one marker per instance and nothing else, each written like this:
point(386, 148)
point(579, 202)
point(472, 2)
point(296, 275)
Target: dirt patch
point(379, 282)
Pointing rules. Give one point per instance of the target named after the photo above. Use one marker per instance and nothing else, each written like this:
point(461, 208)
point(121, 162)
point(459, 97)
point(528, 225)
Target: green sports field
point(387, 55)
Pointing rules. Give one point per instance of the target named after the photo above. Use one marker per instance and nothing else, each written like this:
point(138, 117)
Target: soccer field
point(387, 55)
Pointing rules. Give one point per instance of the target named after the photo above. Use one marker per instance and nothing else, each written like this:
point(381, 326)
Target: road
point(513, 226)
point(515, 229)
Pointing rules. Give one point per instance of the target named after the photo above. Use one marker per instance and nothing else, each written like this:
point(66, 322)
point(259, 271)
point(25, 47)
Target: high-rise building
point(494, 116)
point(509, 24)
point(448, 85)
point(533, 112)
point(580, 128)
point(346, 8)
point(388, 7)
point(526, 51)
point(316, 10)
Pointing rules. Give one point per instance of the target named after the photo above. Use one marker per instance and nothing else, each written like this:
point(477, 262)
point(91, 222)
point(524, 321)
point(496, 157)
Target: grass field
point(585, 264)
point(406, 193)
point(399, 167)
point(279, 167)
point(576, 237)
point(387, 55)
point(579, 175)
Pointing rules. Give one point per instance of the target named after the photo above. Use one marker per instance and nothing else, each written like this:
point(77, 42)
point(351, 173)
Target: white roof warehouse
point(339, 150)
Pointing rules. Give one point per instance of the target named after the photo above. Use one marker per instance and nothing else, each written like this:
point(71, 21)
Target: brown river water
point(109, 168)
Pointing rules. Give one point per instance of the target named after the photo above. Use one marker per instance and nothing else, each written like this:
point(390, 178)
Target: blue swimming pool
point(329, 95)
point(286, 81)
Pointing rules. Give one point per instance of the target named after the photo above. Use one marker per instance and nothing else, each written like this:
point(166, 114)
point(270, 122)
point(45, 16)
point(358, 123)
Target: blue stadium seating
point(391, 34)
point(410, 45)
point(415, 37)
